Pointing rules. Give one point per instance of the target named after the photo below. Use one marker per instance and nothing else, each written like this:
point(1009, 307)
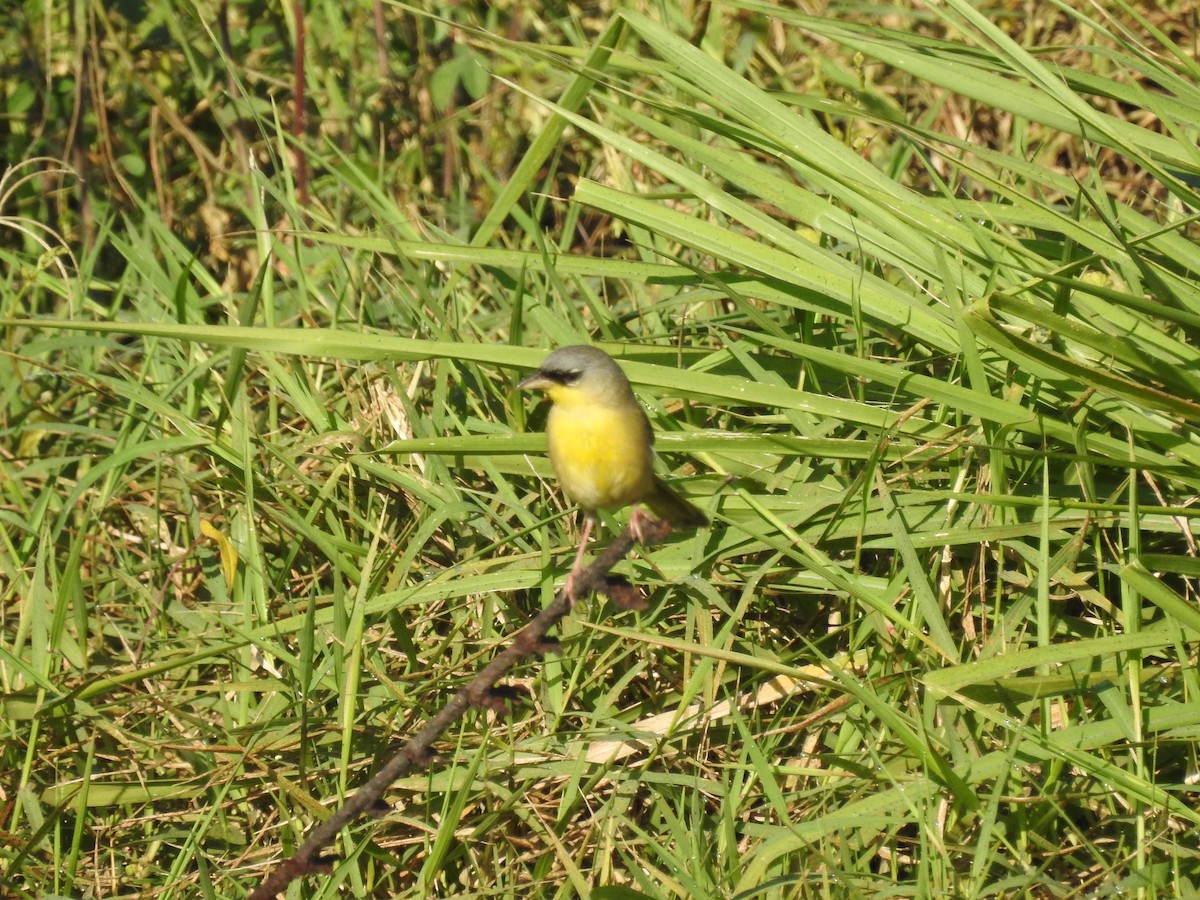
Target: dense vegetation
point(910, 295)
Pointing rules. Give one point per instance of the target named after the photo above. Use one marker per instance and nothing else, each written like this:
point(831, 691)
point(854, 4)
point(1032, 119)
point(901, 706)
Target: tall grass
point(911, 304)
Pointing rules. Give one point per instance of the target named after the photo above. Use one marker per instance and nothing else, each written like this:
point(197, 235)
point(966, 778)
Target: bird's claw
point(645, 528)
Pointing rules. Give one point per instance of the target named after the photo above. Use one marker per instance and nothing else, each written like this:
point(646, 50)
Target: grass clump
point(910, 301)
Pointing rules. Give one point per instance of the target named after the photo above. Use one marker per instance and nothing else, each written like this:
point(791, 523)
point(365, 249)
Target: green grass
point(910, 300)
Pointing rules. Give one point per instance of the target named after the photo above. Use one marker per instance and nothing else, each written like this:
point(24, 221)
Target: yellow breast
point(600, 453)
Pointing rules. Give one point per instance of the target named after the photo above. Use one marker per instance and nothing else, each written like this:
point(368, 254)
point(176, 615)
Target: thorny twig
point(480, 692)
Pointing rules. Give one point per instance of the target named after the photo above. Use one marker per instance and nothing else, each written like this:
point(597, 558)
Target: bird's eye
point(565, 377)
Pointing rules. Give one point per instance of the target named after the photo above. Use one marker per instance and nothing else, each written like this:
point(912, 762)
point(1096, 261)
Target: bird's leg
point(577, 568)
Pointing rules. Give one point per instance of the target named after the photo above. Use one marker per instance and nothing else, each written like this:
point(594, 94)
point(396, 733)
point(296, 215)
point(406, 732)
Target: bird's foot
point(645, 528)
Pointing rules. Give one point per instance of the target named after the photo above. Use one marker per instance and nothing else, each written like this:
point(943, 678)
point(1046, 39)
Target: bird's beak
point(535, 382)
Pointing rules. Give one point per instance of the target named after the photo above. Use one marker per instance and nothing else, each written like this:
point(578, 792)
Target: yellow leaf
point(229, 555)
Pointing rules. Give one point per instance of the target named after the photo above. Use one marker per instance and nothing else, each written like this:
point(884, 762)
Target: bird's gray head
point(580, 366)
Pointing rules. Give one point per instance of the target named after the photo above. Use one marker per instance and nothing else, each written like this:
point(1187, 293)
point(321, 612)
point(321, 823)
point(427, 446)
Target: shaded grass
point(936, 396)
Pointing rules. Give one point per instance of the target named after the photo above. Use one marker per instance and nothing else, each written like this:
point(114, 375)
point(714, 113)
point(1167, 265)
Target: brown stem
point(299, 125)
point(529, 641)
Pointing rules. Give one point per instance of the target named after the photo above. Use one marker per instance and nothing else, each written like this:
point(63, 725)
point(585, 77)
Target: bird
point(601, 445)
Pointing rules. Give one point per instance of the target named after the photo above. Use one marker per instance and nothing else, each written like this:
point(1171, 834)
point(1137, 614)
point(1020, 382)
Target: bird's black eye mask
point(565, 377)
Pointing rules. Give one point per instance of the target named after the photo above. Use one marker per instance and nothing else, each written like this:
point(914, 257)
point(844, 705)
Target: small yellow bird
point(600, 443)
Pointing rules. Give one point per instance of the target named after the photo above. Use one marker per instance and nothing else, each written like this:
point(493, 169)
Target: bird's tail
point(669, 506)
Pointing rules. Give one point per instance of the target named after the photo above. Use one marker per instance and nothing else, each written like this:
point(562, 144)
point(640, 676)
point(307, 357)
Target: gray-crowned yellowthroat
point(601, 444)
